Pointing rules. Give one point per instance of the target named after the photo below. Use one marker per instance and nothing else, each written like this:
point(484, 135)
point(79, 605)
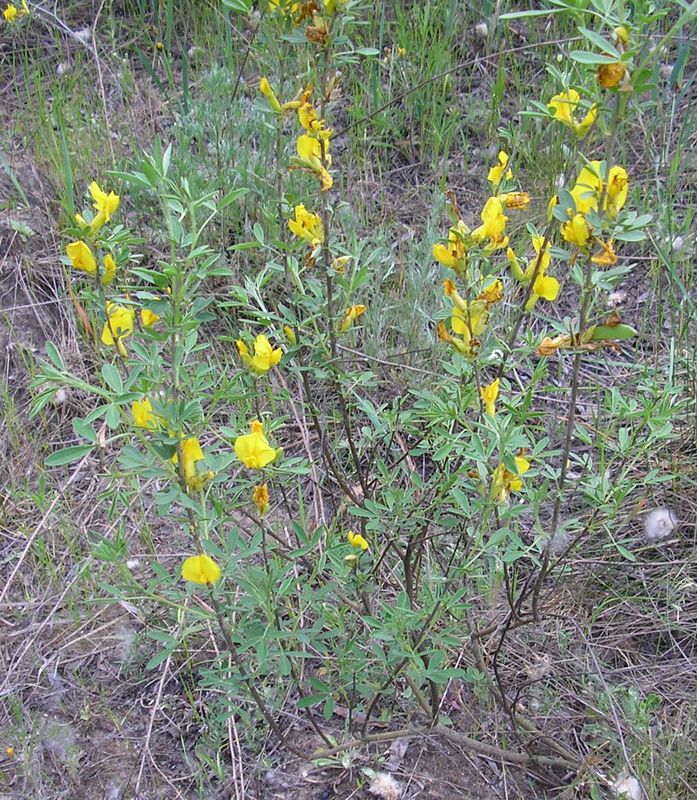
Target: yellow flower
point(307, 226)
point(9, 752)
point(284, 7)
point(332, 5)
point(192, 453)
point(109, 270)
point(105, 204)
point(309, 152)
point(81, 257)
point(504, 481)
point(339, 264)
point(118, 326)
point(607, 256)
point(143, 415)
point(260, 497)
point(493, 293)
point(265, 357)
point(498, 172)
point(468, 321)
point(454, 254)
point(588, 188)
point(610, 75)
point(307, 116)
point(493, 225)
point(576, 231)
point(617, 189)
point(290, 334)
point(587, 192)
point(564, 106)
point(301, 98)
point(515, 200)
point(148, 318)
point(489, 394)
point(356, 540)
point(545, 286)
point(350, 316)
point(267, 91)
point(10, 13)
point(253, 449)
point(544, 258)
point(622, 35)
point(200, 569)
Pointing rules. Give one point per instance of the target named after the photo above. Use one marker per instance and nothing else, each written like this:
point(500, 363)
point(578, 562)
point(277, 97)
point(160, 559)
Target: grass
point(102, 688)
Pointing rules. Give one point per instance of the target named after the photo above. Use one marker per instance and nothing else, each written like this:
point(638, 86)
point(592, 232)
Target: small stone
point(628, 788)
point(615, 299)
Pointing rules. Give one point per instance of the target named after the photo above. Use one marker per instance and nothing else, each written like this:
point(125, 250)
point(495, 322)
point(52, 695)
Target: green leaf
point(112, 378)
point(84, 430)
point(231, 197)
point(311, 700)
point(533, 13)
point(368, 51)
point(241, 6)
point(328, 710)
point(602, 333)
point(132, 458)
point(585, 57)
point(164, 654)
point(68, 455)
point(599, 42)
point(54, 355)
point(113, 418)
point(626, 553)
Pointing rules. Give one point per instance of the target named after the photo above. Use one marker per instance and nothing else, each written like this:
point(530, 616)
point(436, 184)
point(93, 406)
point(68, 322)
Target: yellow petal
point(489, 394)
point(81, 257)
point(143, 414)
point(546, 286)
point(109, 270)
point(267, 91)
point(119, 324)
point(260, 498)
point(200, 569)
point(564, 105)
point(253, 449)
point(356, 540)
point(576, 231)
point(148, 317)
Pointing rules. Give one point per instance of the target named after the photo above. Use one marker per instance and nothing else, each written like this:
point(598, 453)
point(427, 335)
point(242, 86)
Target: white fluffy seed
point(481, 30)
point(84, 35)
point(659, 523)
point(385, 787)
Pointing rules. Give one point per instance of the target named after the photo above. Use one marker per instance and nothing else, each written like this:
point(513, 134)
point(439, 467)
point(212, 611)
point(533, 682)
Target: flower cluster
point(469, 316)
point(12, 13)
point(312, 147)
